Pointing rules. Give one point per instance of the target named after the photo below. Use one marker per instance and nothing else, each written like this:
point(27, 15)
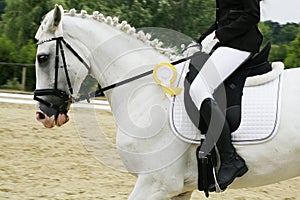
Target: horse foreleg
point(156, 187)
point(160, 185)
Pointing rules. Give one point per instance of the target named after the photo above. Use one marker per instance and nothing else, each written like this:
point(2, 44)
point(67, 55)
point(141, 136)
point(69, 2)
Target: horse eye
point(43, 58)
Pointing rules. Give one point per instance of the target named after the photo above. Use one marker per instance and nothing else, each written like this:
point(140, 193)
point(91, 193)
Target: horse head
point(57, 71)
point(101, 47)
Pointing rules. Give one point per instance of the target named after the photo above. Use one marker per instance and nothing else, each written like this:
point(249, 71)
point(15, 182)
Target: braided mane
point(171, 52)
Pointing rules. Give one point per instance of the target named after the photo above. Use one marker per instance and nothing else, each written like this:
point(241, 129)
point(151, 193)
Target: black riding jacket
point(236, 24)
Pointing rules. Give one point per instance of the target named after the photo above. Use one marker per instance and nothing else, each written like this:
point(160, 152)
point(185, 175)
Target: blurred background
point(19, 20)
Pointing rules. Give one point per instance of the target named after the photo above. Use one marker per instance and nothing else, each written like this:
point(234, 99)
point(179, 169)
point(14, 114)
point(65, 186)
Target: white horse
point(165, 166)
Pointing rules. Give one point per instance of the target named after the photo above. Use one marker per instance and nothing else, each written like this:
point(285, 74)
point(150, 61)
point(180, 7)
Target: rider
point(236, 33)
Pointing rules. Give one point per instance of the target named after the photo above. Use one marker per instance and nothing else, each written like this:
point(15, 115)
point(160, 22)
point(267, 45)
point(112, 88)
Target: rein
point(68, 98)
point(98, 92)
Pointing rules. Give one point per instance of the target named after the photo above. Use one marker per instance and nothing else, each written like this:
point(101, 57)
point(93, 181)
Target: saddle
point(232, 89)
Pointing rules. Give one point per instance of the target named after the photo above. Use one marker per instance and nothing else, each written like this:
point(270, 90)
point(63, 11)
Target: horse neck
point(113, 54)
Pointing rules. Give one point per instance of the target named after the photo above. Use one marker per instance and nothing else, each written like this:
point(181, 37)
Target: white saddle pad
point(260, 114)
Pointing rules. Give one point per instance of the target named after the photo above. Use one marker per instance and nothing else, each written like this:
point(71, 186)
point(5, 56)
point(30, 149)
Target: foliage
point(27, 55)
point(2, 6)
point(21, 19)
point(12, 84)
point(7, 54)
point(293, 55)
point(181, 15)
point(287, 33)
point(278, 52)
point(266, 31)
point(284, 48)
point(18, 26)
point(7, 49)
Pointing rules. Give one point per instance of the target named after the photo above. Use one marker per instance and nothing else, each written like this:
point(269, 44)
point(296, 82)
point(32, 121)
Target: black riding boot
point(232, 165)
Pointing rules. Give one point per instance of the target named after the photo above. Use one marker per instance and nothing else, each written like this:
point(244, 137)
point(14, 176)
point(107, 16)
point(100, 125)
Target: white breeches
point(221, 64)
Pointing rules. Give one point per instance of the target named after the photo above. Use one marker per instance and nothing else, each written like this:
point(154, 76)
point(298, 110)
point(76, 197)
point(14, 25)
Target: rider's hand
point(209, 42)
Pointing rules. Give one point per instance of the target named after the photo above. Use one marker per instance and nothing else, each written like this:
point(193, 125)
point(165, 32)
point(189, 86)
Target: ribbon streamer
point(162, 76)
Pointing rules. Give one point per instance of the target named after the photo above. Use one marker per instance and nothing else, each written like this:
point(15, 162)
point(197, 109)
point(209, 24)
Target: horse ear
point(57, 15)
point(52, 23)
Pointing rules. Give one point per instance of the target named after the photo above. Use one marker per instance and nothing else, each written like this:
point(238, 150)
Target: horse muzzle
point(50, 121)
point(52, 107)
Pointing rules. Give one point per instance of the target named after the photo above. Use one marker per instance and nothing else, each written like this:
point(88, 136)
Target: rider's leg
point(222, 63)
point(232, 165)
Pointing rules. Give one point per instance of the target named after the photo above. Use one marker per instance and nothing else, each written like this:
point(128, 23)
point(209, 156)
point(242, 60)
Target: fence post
point(24, 66)
point(23, 77)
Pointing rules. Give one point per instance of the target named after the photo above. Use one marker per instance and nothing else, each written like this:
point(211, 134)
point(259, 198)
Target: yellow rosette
point(165, 74)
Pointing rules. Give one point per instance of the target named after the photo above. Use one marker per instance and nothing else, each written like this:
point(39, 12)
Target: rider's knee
point(233, 116)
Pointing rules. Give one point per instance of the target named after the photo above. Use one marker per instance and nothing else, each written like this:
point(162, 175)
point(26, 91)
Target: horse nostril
point(41, 116)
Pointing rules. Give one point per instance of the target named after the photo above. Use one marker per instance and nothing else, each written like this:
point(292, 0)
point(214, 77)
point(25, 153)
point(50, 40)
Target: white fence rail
point(28, 99)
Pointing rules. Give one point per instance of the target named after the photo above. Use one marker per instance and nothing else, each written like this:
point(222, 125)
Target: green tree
point(293, 57)
point(22, 18)
point(18, 26)
point(275, 27)
point(7, 54)
point(190, 17)
point(287, 33)
point(278, 52)
point(2, 7)
point(281, 37)
point(27, 55)
point(266, 31)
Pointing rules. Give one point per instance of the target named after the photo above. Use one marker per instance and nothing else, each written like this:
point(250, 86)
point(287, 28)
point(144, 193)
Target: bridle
point(68, 98)
point(62, 95)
